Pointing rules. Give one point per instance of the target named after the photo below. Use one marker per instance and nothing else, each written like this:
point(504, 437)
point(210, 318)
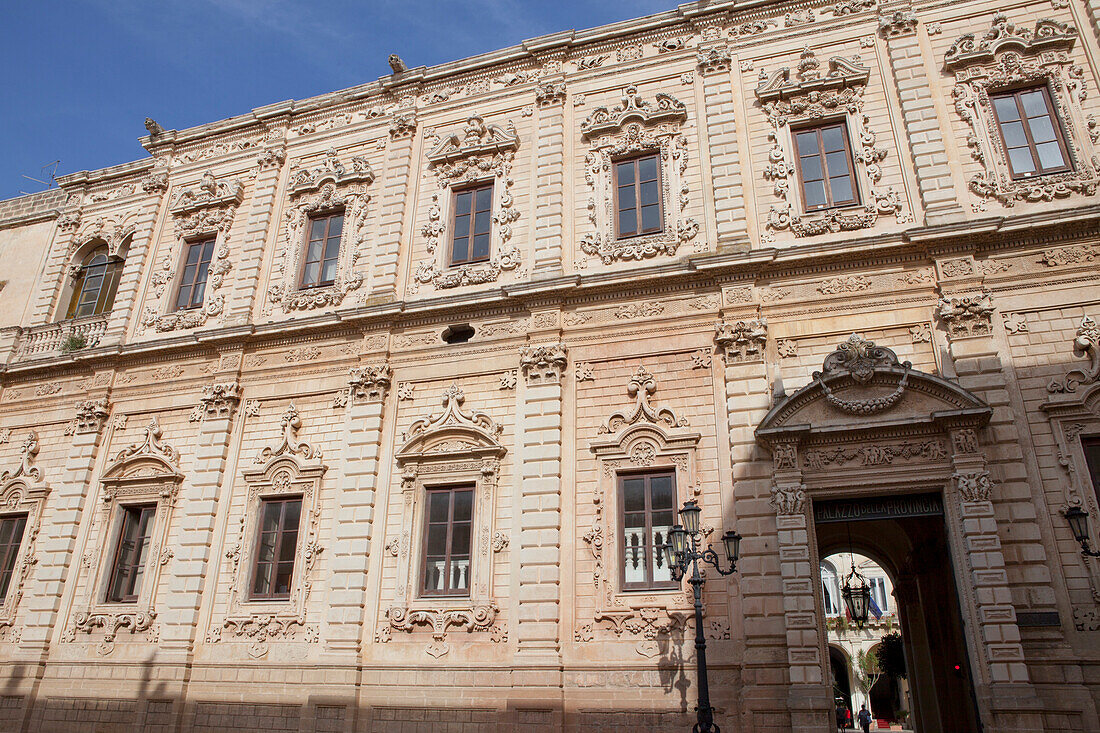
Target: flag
point(875, 609)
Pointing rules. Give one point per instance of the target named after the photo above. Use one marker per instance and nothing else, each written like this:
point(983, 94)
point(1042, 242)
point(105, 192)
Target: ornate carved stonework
point(477, 618)
point(1085, 344)
point(1008, 55)
point(403, 126)
point(330, 185)
point(369, 382)
point(217, 400)
point(479, 152)
point(91, 415)
point(970, 315)
point(550, 94)
point(860, 359)
point(813, 96)
point(897, 24)
point(543, 364)
point(641, 385)
point(788, 498)
point(714, 59)
point(637, 126)
point(743, 341)
point(974, 486)
point(22, 490)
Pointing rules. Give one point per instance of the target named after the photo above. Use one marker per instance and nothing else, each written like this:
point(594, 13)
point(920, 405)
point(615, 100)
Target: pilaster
point(365, 401)
point(714, 64)
point(60, 526)
point(911, 70)
point(214, 414)
point(538, 627)
point(262, 213)
point(141, 245)
point(550, 176)
point(394, 200)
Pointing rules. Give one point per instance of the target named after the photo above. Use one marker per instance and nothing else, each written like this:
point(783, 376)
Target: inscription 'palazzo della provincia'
point(374, 409)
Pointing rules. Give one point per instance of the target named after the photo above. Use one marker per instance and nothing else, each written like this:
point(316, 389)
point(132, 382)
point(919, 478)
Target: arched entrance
point(841, 684)
point(875, 456)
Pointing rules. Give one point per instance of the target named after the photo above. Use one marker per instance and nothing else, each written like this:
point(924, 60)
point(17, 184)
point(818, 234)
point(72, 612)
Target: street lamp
point(856, 598)
point(1078, 520)
point(682, 551)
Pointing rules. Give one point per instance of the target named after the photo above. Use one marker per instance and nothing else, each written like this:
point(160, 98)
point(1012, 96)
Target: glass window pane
point(627, 223)
point(660, 492)
point(647, 168)
point(1006, 108)
point(1034, 103)
point(651, 218)
point(309, 275)
point(841, 188)
point(626, 198)
point(332, 248)
point(462, 202)
point(437, 540)
point(439, 506)
point(815, 194)
point(481, 247)
point(270, 521)
point(811, 168)
point(265, 550)
point(625, 173)
point(1014, 134)
point(1021, 161)
point(207, 251)
point(482, 222)
point(460, 574)
point(806, 142)
point(313, 251)
point(1050, 155)
point(634, 563)
point(836, 163)
point(316, 228)
point(328, 274)
point(650, 193)
point(292, 514)
point(485, 198)
point(832, 138)
point(336, 226)
point(460, 251)
point(193, 253)
point(1042, 130)
point(462, 225)
point(288, 546)
point(634, 494)
point(463, 506)
point(460, 539)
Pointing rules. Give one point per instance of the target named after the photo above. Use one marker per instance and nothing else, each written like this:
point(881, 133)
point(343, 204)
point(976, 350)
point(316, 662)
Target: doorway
point(907, 537)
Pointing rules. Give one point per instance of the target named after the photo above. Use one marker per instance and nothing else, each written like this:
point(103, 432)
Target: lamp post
point(856, 598)
point(682, 551)
point(1078, 520)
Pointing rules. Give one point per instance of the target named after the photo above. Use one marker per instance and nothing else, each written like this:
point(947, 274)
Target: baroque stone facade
point(939, 335)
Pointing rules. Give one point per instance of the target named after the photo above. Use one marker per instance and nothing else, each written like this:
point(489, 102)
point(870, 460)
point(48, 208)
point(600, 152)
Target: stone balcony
point(54, 339)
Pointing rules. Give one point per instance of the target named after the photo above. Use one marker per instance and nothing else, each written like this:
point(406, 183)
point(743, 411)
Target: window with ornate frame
point(808, 97)
point(992, 73)
point(637, 129)
point(194, 272)
point(95, 282)
point(475, 158)
point(451, 448)
point(23, 494)
point(645, 440)
point(131, 551)
point(286, 476)
point(826, 174)
point(647, 512)
point(448, 540)
point(638, 209)
point(143, 477)
point(335, 185)
point(1090, 445)
point(321, 259)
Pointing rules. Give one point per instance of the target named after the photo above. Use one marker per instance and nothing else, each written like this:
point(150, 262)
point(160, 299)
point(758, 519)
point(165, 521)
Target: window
point(11, 534)
point(1092, 460)
point(638, 196)
point(878, 595)
point(196, 267)
point(447, 541)
point(322, 250)
point(648, 510)
point(473, 218)
point(1030, 132)
point(825, 167)
point(133, 544)
point(95, 284)
point(276, 543)
point(831, 589)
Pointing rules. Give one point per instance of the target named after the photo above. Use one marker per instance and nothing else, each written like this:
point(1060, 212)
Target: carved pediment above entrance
point(664, 108)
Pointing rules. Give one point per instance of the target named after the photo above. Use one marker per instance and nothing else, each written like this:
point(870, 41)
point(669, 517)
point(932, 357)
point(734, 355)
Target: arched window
point(831, 588)
point(95, 282)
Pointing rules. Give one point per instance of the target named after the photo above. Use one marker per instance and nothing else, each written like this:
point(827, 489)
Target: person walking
point(864, 719)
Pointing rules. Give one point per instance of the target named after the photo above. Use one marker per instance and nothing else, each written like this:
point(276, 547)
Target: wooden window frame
point(452, 489)
point(635, 160)
point(128, 511)
point(188, 244)
point(9, 553)
point(455, 193)
point(817, 127)
point(280, 536)
point(649, 585)
point(327, 215)
point(108, 286)
point(1056, 123)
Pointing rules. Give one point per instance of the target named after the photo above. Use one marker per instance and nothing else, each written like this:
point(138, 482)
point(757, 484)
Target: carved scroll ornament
point(1085, 344)
point(861, 359)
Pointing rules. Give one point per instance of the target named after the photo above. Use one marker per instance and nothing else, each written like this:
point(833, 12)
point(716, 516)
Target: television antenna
point(52, 166)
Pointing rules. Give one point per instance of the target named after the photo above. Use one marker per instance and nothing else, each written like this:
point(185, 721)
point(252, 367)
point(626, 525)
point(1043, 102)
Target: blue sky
point(81, 76)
